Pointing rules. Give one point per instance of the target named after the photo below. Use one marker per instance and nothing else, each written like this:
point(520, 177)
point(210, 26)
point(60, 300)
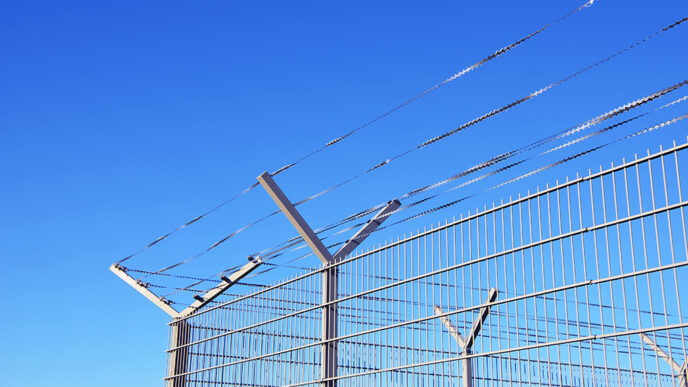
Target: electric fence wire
point(433, 140)
point(275, 252)
point(337, 140)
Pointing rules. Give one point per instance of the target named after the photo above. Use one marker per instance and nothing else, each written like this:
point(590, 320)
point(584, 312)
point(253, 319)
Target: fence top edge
point(568, 182)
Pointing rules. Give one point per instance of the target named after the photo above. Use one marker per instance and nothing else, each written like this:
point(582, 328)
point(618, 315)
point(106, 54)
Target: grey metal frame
point(330, 274)
point(181, 331)
point(583, 269)
point(466, 344)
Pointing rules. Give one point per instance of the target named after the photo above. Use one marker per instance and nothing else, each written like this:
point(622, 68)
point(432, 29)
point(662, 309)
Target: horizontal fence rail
point(581, 283)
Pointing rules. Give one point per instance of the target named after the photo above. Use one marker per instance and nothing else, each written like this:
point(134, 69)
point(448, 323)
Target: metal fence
point(579, 284)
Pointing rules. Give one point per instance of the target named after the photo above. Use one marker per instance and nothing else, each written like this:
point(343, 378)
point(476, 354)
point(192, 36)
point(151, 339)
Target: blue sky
point(120, 121)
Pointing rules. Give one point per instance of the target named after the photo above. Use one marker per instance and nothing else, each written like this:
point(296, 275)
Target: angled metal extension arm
point(328, 370)
point(181, 329)
point(680, 370)
point(205, 298)
point(466, 344)
point(478, 324)
point(179, 335)
point(453, 331)
point(366, 230)
point(294, 217)
point(141, 287)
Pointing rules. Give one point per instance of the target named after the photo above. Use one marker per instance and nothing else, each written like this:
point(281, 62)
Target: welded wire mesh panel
point(580, 283)
point(252, 340)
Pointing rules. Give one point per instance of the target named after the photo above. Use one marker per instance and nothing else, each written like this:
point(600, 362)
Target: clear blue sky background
point(119, 121)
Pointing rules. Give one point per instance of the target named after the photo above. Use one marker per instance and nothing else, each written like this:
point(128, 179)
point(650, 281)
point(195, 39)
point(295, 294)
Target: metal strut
point(328, 370)
point(142, 287)
point(466, 344)
point(227, 282)
point(681, 371)
point(180, 334)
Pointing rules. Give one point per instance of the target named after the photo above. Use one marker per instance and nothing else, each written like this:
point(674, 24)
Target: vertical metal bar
point(431, 280)
point(575, 277)
point(456, 297)
point(496, 373)
point(315, 370)
point(406, 315)
point(426, 292)
point(533, 283)
point(380, 355)
point(564, 282)
point(609, 271)
point(467, 367)
point(396, 307)
point(645, 256)
point(488, 285)
point(659, 250)
point(506, 290)
point(544, 286)
point(622, 270)
point(329, 326)
point(276, 374)
point(554, 283)
point(585, 276)
point(463, 280)
point(178, 358)
point(597, 276)
point(634, 265)
point(467, 363)
point(350, 348)
point(685, 243)
point(522, 266)
point(385, 310)
point(445, 379)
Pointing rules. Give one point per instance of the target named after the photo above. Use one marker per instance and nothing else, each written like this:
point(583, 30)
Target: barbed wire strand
point(337, 140)
point(271, 256)
point(438, 138)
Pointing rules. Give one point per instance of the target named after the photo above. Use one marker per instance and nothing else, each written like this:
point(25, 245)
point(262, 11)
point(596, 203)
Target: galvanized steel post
point(328, 370)
point(178, 358)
